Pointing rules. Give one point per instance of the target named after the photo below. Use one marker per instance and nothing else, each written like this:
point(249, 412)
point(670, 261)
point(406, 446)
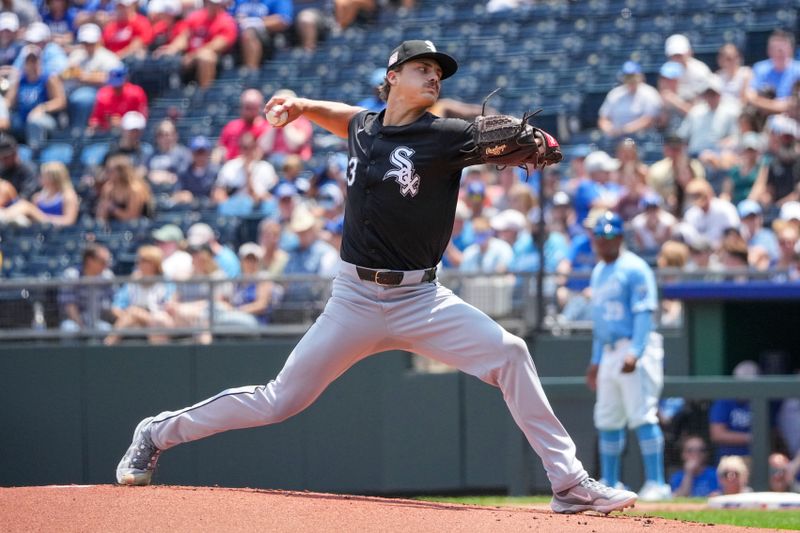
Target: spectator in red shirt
point(206, 34)
point(250, 121)
point(165, 17)
point(129, 33)
point(116, 99)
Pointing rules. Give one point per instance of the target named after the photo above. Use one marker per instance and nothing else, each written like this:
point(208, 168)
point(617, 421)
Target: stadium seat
point(61, 152)
point(92, 155)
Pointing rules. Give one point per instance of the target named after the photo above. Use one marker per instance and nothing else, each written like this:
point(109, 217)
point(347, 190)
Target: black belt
point(391, 277)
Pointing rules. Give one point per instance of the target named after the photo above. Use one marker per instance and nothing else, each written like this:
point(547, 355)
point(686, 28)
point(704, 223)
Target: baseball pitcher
point(402, 186)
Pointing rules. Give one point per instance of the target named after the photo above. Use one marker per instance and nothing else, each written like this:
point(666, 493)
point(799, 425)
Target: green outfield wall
point(68, 412)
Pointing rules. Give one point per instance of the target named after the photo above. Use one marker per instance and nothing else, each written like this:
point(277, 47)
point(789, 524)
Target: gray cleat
point(591, 495)
point(138, 464)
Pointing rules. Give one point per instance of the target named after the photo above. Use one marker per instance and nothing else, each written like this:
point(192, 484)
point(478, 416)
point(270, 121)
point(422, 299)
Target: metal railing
point(33, 308)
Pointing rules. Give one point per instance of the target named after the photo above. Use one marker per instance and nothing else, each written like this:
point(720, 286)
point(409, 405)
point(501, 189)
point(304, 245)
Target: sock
point(612, 442)
point(651, 443)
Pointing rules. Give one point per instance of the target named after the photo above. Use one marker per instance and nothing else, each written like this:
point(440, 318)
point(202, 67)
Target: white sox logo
point(404, 173)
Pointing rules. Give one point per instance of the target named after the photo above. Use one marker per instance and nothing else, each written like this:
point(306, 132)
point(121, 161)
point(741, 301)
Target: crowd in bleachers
point(121, 126)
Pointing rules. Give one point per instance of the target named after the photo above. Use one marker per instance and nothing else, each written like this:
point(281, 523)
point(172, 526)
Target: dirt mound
point(192, 509)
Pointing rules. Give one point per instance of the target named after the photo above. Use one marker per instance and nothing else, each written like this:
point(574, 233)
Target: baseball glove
point(506, 140)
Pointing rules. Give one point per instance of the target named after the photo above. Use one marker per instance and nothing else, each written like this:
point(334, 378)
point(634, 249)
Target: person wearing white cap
point(778, 73)
point(10, 45)
point(251, 299)
point(25, 10)
point(598, 189)
point(201, 234)
point(89, 66)
point(779, 184)
point(206, 35)
point(129, 32)
point(631, 107)
point(34, 98)
point(712, 122)
point(695, 73)
point(54, 59)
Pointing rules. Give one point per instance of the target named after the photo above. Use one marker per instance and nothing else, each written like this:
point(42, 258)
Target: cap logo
point(393, 58)
point(430, 46)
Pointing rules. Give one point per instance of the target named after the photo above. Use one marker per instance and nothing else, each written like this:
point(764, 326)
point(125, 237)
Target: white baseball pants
point(362, 318)
point(629, 398)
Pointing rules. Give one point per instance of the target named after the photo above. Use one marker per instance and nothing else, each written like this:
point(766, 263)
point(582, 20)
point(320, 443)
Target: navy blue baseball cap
point(409, 50)
point(609, 225)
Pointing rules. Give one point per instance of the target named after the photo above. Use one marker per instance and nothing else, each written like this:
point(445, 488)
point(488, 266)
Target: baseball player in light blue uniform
point(627, 358)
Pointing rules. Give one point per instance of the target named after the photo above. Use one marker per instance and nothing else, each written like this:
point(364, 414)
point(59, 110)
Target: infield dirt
point(109, 508)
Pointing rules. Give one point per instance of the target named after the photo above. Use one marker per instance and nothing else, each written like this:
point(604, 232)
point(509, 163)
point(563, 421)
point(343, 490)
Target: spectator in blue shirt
point(200, 235)
point(312, 255)
point(34, 99)
point(198, 179)
point(777, 73)
point(54, 58)
point(598, 190)
point(259, 22)
point(696, 478)
point(60, 18)
point(754, 232)
point(373, 102)
point(730, 420)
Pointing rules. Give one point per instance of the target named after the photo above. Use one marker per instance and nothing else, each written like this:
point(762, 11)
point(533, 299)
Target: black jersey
point(402, 189)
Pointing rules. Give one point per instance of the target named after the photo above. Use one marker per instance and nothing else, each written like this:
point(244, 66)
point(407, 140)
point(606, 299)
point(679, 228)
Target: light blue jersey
point(624, 297)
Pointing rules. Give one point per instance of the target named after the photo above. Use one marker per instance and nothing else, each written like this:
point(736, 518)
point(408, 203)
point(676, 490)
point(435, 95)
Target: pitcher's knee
point(515, 350)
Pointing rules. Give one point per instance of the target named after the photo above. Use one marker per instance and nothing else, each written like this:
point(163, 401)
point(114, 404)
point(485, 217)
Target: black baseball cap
point(409, 50)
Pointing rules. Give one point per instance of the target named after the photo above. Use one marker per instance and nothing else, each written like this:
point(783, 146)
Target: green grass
point(736, 517)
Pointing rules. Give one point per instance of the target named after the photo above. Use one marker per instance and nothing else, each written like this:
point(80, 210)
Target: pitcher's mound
point(192, 509)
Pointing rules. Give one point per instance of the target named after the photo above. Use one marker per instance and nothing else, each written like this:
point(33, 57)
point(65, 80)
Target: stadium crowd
point(723, 200)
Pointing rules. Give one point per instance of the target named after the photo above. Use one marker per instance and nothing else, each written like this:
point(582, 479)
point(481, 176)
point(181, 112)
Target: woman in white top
point(734, 75)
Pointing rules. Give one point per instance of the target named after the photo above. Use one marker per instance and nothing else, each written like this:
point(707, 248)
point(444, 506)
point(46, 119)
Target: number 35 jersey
point(619, 290)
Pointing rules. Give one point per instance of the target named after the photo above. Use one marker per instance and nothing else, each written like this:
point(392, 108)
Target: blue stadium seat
point(25, 153)
point(92, 155)
point(61, 152)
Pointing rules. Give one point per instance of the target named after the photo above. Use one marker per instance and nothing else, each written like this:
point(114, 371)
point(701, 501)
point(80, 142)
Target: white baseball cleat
point(654, 492)
point(139, 462)
point(590, 495)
